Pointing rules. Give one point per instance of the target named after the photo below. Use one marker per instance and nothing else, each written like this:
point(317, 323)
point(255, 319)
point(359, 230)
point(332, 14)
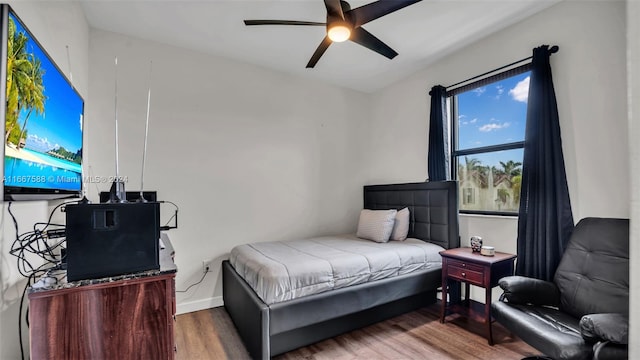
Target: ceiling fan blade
point(334, 9)
point(365, 13)
point(282, 22)
point(319, 51)
point(366, 39)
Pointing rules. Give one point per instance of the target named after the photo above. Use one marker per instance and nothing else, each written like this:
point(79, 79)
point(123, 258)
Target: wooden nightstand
point(462, 265)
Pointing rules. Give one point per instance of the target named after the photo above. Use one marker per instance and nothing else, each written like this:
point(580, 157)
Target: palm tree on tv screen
point(16, 66)
point(34, 94)
point(25, 88)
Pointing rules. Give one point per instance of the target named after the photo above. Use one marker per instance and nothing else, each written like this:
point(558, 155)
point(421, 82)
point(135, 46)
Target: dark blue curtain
point(545, 221)
point(438, 155)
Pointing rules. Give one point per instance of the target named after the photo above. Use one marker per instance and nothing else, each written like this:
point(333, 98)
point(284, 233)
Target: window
point(489, 120)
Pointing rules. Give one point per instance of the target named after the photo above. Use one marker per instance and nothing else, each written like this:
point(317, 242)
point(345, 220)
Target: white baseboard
point(191, 306)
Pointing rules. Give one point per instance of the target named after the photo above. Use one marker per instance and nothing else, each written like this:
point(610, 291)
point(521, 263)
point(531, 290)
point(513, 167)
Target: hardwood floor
point(210, 334)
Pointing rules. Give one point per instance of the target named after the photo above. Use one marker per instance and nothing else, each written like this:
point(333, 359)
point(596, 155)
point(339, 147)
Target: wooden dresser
point(125, 317)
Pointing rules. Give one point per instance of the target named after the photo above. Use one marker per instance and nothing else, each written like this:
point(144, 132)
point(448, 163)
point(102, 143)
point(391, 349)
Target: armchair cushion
point(553, 332)
point(524, 290)
point(605, 327)
point(593, 274)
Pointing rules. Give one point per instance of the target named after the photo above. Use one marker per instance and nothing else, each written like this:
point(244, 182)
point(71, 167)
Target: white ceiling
point(421, 33)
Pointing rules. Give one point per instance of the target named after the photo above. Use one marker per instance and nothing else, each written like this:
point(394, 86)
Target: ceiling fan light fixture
point(344, 23)
point(339, 32)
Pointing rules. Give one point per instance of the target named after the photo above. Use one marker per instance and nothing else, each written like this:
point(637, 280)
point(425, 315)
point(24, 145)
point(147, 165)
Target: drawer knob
point(463, 264)
point(464, 274)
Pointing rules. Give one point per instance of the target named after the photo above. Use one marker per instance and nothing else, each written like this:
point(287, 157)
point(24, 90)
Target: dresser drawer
point(465, 271)
point(465, 265)
point(466, 274)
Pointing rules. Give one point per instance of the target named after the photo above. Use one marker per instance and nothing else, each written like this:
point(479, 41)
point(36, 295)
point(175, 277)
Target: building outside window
point(468, 196)
point(488, 128)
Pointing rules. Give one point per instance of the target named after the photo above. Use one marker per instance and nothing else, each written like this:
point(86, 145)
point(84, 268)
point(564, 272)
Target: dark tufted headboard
point(433, 207)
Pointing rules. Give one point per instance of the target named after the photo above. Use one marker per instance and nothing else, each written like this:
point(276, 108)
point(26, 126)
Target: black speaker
point(106, 240)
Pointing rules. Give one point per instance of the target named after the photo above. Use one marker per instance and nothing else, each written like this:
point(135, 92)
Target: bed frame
point(269, 330)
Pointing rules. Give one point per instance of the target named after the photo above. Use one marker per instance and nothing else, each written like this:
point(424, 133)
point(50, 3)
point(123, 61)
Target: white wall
point(590, 81)
point(248, 154)
point(56, 25)
point(633, 96)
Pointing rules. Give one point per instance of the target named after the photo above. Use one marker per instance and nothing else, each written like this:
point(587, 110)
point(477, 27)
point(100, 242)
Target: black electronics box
point(105, 240)
point(131, 196)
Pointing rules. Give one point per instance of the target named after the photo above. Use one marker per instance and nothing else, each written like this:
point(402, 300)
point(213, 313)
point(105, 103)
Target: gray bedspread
point(285, 270)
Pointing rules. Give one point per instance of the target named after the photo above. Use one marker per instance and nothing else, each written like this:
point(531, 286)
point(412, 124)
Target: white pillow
point(376, 225)
point(401, 225)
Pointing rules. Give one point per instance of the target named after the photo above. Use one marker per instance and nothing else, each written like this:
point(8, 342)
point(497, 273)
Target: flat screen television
point(42, 114)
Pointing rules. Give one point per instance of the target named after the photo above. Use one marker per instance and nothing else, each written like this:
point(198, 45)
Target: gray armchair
point(583, 313)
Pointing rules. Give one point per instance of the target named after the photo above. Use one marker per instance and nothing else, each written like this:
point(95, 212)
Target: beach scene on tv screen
point(43, 123)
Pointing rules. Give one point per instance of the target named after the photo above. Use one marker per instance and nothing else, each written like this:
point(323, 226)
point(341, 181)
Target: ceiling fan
point(344, 23)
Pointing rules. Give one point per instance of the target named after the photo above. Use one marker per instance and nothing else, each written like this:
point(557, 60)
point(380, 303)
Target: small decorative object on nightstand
point(488, 251)
point(465, 266)
point(476, 243)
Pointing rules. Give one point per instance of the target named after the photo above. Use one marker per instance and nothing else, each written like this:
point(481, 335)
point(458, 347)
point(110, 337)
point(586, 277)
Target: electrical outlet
point(206, 266)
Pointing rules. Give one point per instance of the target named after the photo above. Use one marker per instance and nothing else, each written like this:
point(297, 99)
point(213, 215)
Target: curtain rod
point(554, 49)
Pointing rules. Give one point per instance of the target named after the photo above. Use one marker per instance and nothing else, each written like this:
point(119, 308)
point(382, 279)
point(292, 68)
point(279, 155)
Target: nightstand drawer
point(465, 265)
point(466, 274)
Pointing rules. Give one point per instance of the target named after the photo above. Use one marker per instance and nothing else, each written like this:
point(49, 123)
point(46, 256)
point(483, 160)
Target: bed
point(271, 328)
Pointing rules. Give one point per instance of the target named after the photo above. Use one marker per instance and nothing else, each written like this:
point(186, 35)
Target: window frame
point(452, 108)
